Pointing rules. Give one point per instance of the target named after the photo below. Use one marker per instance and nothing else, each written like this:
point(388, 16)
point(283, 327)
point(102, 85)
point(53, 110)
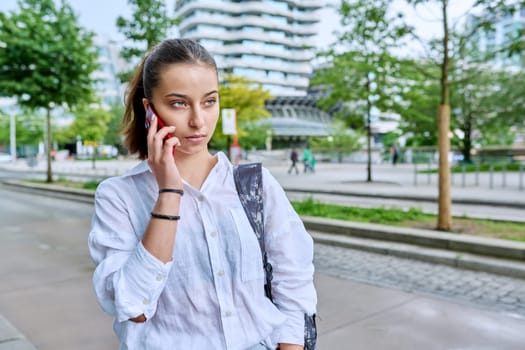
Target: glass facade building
point(507, 28)
point(107, 83)
point(270, 42)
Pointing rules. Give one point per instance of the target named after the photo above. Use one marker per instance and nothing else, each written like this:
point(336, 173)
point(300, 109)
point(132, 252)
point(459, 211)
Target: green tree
point(252, 135)
point(46, 59)
point(29, 129)
point(113, 135)
point(361, 74)
point(491, 105)
point(149, 25)
point(441, 52)
point(247, 98)
point(339, 141)
point(91, 125)
point(419, 98)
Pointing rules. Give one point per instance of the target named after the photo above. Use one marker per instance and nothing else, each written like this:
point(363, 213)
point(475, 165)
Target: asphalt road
point(46, 273)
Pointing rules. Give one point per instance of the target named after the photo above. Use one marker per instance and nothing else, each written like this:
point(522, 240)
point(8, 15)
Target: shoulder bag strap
point(248, 181)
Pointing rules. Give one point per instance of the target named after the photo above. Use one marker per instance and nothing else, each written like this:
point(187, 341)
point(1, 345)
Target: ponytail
point(134, 119)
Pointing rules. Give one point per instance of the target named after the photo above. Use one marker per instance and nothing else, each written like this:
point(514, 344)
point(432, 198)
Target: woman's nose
point(197, 117)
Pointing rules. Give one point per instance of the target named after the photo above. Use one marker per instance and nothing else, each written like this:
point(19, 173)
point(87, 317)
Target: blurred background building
point(507, 27)
point(108, 87)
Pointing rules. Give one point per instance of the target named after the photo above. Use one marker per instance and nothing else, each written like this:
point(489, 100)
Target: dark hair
point(146, 78)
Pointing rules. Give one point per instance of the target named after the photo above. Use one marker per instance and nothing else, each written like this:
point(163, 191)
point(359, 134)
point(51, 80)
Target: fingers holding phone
point(162, 132)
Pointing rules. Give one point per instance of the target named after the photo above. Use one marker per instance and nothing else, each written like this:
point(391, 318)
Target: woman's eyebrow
point(176, 94)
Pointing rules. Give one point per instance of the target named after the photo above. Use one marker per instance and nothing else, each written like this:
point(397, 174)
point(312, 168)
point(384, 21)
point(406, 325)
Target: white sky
point(425, 18)
point(100, 16)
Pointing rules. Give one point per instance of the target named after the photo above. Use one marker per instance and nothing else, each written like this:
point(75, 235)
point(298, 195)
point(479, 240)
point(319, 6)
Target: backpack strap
point(248, 181)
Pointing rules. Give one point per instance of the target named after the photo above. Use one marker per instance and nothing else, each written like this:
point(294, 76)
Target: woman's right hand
point(160, 155)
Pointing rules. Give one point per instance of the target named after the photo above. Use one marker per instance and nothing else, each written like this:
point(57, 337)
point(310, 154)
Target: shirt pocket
point(251, 257)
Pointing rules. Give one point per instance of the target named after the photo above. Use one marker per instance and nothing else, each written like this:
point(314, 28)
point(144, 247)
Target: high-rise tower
point(270, 42)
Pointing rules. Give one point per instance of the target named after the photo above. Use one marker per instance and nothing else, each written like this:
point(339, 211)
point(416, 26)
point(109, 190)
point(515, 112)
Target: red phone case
point(160, 123)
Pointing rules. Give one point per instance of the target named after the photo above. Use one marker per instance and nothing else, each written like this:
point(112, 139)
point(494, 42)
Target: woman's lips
point(196, 138)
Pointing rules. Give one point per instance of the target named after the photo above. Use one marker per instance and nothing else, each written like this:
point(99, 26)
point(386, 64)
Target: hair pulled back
point(146, 79)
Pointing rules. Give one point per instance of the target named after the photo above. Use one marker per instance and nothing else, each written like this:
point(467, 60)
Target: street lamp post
point(12, 136)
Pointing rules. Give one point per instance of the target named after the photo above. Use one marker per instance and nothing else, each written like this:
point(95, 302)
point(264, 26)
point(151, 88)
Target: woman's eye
point(210, 102)
point(178, 104)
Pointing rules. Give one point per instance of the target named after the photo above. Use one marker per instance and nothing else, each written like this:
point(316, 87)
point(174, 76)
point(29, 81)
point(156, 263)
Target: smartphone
point(149, 115)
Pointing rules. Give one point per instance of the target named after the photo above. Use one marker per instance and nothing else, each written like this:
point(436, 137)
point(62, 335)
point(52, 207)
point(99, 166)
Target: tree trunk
point(49, 142)
point(444, 197)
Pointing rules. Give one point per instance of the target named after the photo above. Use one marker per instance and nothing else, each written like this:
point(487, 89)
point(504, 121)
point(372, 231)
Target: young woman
point(178, 264)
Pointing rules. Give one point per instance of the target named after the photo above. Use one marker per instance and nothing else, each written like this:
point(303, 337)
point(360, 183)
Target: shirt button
point(227, 314)
point(220, 273)
point(200, 198)
point(160, 278)
point(213, 234)
point(145, 301)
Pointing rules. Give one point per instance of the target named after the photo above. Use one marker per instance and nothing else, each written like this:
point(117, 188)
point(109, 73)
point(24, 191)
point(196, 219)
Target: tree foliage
point(91, 124)
point(478, 90)
point(340, 140)
point(450, 44)
point(113, 135)
point(248, 99)
point(46, 58)
point(419, 97)
point(29, 129)
point(149, 25)
point(359, 73)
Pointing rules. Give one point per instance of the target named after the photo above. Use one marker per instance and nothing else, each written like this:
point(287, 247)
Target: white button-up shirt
point(211, 295)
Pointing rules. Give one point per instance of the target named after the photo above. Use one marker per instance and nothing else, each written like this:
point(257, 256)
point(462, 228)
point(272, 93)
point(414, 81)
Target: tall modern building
point(507, 27)
point(108, 86)
point(271, 42)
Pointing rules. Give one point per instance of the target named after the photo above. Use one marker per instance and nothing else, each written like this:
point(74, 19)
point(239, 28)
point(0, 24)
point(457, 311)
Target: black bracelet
point(171, 190)
point(165, 217)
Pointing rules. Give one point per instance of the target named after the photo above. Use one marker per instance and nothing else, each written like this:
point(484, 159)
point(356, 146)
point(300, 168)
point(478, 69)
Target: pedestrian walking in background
point(294, 157)
point(312, 163)
point(178, 265)
point(394, 153)
point(307, 159)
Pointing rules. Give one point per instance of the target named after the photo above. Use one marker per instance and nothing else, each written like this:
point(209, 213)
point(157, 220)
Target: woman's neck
point(194, 168)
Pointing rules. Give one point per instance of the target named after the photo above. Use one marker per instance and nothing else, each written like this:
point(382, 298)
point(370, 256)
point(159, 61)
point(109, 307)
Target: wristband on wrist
point(165, 217)
point(171, 190)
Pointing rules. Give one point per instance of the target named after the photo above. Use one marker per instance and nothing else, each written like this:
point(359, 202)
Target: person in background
point(178, 265)
point(394, 153)
point(294, 157)
point(307, 159)
point(312, 163)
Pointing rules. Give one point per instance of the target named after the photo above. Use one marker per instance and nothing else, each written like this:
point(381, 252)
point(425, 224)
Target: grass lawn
point(90, 185)
point(412, 218)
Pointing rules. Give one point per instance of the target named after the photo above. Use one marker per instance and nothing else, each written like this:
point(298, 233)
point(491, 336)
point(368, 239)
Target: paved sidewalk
point(351, 314)
point(399, 181)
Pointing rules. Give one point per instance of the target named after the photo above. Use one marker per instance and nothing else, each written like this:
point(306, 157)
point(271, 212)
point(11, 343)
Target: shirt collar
point(143, 166)
point(140, 168)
